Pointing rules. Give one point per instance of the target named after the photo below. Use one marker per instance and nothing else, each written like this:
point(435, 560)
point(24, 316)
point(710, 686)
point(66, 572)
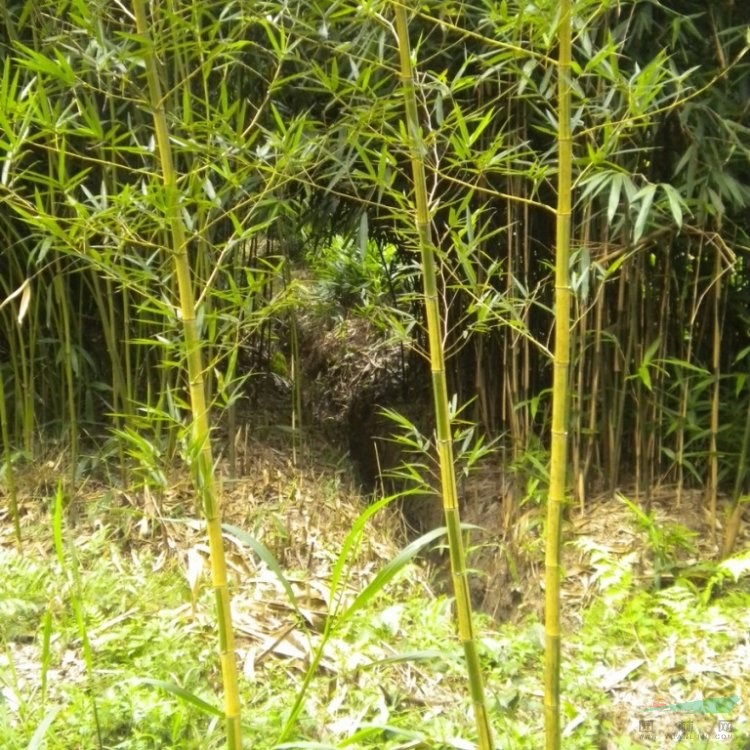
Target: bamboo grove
point(288, 130)
point(286, 125)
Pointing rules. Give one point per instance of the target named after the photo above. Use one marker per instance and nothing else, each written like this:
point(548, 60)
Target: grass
point(389, 676)
point(137, 627)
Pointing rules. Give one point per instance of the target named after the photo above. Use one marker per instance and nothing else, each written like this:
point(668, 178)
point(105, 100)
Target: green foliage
point(287, 129)
point(667, 542)
point(612, 574)
point(52, 608)
point(287, 133)
point(363, 276)
point(391, 670)
point(418, 470)
point(67, 560)
point(23, 596)
point(733, 569)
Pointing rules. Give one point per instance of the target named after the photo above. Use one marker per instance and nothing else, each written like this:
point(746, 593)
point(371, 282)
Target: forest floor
point(108, 636)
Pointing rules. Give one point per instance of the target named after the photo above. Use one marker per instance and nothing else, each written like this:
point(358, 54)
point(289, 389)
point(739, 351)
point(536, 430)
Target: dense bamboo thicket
point(287, 131)
point(279, 132)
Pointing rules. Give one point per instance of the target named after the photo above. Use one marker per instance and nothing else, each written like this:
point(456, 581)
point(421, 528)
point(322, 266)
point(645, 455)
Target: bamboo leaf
point(646, 196)
point(56, 65)
point(595, 184)
point(684, 365)
point(615, 189)
point(389, 570)
point(652, 349)
point(675, 203)
point(482, 125)
point(351, 540)
point(267, 557)
point(37, 740)
point(25, 292)
point(184, 695)
point(645, 376)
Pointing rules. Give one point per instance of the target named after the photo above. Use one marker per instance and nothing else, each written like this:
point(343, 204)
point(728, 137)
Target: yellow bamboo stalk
point(440, 389)
point(713, 481)
point(203, 470)
point(559, 447)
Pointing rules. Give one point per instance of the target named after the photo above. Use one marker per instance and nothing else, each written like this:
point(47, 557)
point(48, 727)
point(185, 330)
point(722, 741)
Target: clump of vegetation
point(363, 276)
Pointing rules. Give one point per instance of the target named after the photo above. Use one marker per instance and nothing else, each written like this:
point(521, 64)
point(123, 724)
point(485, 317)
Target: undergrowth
point(389, 675)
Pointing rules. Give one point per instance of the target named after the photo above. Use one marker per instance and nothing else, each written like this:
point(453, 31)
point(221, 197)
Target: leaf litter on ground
point(389, 669)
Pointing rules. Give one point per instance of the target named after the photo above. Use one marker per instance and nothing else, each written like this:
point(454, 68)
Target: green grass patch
point(390, 675)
